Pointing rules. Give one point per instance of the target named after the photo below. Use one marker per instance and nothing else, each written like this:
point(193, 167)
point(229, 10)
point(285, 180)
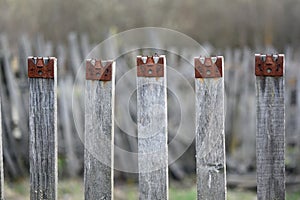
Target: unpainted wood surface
point(270, 138)
point(68, 135)
point(99, 139)
point(210, 139)
point(43, 138)
point(7, 138)
point(1, 159)
point(152, 138)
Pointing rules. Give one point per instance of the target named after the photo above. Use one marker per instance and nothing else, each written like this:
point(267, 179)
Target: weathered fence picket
point(71, 157)
point(152, 127)
point(20, 129)
point(270, 126)
point(12, 165)
point(1, 159)
point(210, 134)
point(43, 127)
point(99, 129)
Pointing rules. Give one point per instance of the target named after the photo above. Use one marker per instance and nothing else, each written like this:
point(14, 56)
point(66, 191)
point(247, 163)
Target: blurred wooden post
point(19, 128)
point(99, 129)
point(72, 161)
point(43, 127)
point(1, 159)
point(210, 135)
point(270, 126)
point(152, 127)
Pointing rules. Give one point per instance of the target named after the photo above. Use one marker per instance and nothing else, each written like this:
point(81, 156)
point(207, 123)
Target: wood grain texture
point(152, 137)
point(270, 138)
point(99, 138)
point(210, 139)
point(43, 137)
point(1, 159)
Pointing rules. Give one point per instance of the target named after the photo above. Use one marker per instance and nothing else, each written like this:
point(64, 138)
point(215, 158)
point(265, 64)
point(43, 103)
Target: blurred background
point(70, 29)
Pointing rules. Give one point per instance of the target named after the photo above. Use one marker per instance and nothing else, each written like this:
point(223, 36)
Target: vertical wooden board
point(75, 56)
point(13, 166)
point(72, 162)
point(1, 159)
point(210, 138)
point(43, 137)
point(99, 138)
point(39, 45)
point(152, 137)
point(85, 45)
point(270, 138)
point(298, 116)
point(18, 112)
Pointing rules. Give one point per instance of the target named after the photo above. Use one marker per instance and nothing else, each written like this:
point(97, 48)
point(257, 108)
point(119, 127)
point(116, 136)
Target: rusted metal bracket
point(150, 66)
point(95, 70)
point(41, 67)
point(269, 65)
point(210, 67)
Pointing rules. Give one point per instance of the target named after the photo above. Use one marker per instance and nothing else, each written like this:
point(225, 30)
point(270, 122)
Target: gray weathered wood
point(85, 45)
point(40, 45)
point(152, 137)
point(270, 138)
point(20, 129)
point(69, 144)
point(298, 116)
point(14, 112)
point(210, 138)
point(43, 137)
point(99, 138)
point(1, 159)
point(74, 49)
point(8, 140)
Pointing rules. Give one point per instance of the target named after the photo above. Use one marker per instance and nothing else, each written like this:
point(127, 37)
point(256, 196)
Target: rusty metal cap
point(41, 67)
point(98, 70)
point(269, 65)
point(150, 66)
point(208, 67)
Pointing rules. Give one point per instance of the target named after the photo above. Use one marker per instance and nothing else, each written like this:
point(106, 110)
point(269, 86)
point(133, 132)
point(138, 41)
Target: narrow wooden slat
point(13, 166)
point(298, 116)
point(69, 144)
point(1, 159)
point(85, 45)
point(270, 137)
point(43, 137)
point(210, 137)
point(18, 112)
point(99, 138)
point(75, 56)
point(152, 136)
point(40, 45)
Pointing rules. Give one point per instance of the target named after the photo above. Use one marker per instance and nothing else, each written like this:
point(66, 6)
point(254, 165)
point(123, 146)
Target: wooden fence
point(239, 107)
point(152, 124)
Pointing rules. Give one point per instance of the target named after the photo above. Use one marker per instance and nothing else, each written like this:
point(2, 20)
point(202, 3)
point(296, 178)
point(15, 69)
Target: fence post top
point(209, 67)
point(100, 70)
point(269, 65)
point(41, 67)
point(150, 66)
